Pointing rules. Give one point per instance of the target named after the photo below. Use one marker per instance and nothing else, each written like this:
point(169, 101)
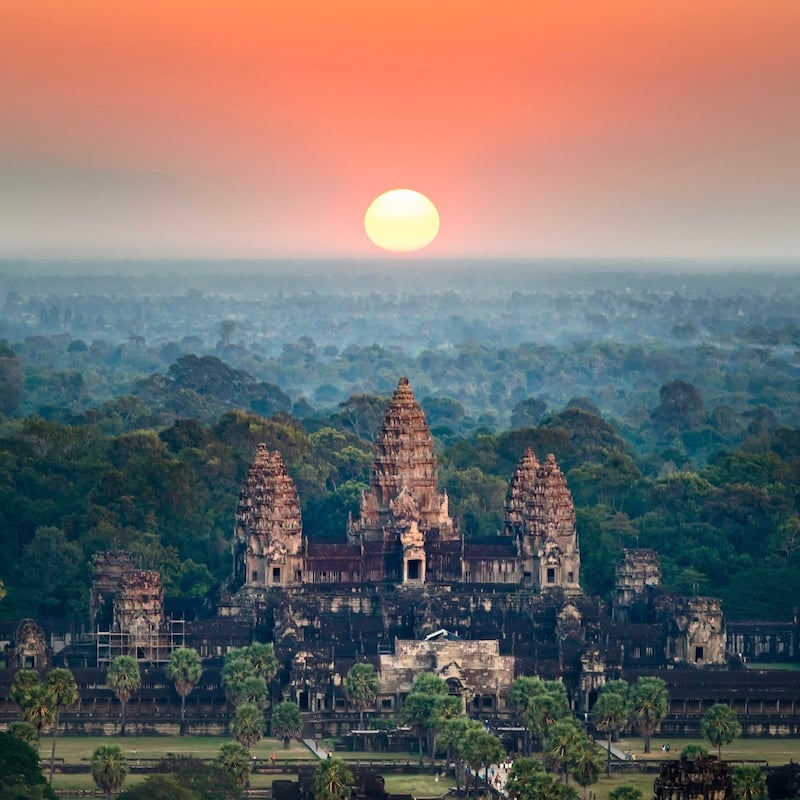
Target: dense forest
point(131, 406)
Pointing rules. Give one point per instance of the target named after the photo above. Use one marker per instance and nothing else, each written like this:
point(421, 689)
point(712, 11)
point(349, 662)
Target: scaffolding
point(151, 647)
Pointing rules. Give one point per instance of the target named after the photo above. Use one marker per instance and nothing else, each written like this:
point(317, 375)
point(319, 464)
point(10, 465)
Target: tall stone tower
point(540, 516)
point(268, 533)
point(403, 508)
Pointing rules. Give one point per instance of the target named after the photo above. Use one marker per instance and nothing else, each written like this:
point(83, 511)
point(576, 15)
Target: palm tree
point(448, 707)
point(247, 725)
point(609, 714)
point(124, 678)
point(234, 760)
point(547, 708)
point(332, 780)
point(562, 737)
point(63, 692)
point(749, 783)
point(253, 689)
point(38, 709)
point(586, 763)
point(25, 681)
point(109, 768)
point(286, 721)
point(184, 670)
point(361, 685)
point(720, 726)
point(452, 737)
point(236, 670)
point(262, 657)
point(419, 711)
point(648, 699)
point(481, 749)
point(523, 690)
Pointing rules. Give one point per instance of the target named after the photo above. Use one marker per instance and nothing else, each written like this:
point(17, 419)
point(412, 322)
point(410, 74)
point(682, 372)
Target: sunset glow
point(263, 129)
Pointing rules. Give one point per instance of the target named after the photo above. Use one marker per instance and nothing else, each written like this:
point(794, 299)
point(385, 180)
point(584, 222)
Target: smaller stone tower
point(540, 515)
point(268, 534)
point(638, 579)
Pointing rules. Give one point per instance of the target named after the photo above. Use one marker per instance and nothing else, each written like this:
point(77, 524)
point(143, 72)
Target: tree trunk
point(608, 759)
point(53, 748)
point(183, 715)
point(419, 738)
point(122, 726)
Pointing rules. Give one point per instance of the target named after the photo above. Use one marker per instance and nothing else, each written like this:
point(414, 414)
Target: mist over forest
point(132, 396)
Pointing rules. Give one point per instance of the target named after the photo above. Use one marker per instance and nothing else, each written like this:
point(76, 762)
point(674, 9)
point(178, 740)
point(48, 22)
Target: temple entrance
point(414, 569)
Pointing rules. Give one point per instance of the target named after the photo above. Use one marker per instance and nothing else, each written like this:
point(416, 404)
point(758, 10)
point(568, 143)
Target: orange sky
point(261, 128)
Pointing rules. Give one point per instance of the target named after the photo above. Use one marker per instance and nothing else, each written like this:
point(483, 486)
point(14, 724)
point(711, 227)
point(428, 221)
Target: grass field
point(78, 750)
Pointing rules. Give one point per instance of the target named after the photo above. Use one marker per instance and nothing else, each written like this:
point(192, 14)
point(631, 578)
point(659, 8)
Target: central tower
point(403, 509)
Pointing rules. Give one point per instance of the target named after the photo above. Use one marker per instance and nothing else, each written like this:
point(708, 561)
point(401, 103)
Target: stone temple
point(404, 534)
point(405, 590)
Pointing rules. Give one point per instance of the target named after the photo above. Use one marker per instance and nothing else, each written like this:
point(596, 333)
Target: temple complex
point(405, 590)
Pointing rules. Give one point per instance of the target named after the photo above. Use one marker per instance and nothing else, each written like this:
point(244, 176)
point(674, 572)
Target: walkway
point(319, 752)
point(615, 751)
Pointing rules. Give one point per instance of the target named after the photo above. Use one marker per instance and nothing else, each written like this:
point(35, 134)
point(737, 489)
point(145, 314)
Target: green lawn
point(78, 750)
point(418, 785)
point(773, 751)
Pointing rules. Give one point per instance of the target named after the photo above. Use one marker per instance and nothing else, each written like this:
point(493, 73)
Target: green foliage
point(184, 669)
point(38, 707)
point(585, 762)
point(648, 705)
point(563, 736)
point(749, 783)
point(123, 678)
point(332, 780)
point(480, 748)
point(25, 731)
point(286, 721)
point(546, 706)
point(247, 725)
point(247, 672)
point(160, 787)
point(63, 691)
point(234, 761)
point(528, 780)
point(426, 708)
point(361, 685)
point(720, 726)
point(20, 775)
point(694, 751)
point(625, 792)
point(609, 714)
point(109, 767)
point(207, 780)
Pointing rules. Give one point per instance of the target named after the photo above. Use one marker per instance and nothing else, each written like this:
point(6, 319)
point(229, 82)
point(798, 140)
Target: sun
point(401, 220)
